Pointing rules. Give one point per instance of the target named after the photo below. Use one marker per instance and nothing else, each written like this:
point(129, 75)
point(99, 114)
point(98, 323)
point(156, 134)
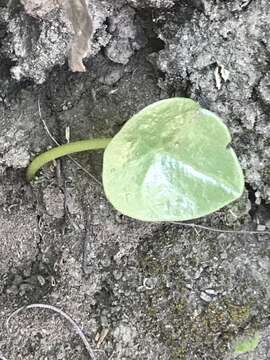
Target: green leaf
point(171, 162)
point(246, 345)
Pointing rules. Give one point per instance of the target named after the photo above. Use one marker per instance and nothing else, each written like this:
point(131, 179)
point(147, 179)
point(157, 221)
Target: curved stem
point(62, 150)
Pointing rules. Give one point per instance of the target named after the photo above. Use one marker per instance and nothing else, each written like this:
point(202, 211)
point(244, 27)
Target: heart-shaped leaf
point(171, 162)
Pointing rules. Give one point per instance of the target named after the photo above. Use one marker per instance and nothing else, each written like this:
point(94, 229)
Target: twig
point(209, 228)
point(62, 313)
point(45, 125)
point(57, 143)
point(102, 337)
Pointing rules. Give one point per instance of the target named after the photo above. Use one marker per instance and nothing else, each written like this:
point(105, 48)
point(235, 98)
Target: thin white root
point(237, 232)
point(63, 314)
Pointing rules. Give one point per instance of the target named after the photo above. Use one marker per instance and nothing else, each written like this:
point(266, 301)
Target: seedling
point(172, 161)
point(247, 344)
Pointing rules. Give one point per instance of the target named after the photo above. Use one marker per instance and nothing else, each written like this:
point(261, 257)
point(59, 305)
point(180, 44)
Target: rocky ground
point(138, 290)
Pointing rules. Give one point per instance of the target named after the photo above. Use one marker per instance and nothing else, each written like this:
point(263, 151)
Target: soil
point(137, 290)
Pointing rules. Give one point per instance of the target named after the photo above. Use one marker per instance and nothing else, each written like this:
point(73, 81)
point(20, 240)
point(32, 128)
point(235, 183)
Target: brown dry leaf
point(78, 14)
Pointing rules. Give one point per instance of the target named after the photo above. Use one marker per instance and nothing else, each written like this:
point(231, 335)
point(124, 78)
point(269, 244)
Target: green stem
point(62, 150)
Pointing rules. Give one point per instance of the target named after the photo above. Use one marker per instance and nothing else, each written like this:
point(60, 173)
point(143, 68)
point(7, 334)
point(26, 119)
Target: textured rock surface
point(157, 291)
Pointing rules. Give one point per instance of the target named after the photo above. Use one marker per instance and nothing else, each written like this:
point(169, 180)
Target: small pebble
point(211, 292)
point(117, 274)
point(224, 256)
point(105, 262)
point(261, 227)
point(205, 297)
point(149, 283)
point(198, 273)
point(41, 280)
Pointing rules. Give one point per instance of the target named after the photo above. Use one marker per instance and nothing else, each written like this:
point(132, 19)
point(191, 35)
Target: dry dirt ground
point(137, 290)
